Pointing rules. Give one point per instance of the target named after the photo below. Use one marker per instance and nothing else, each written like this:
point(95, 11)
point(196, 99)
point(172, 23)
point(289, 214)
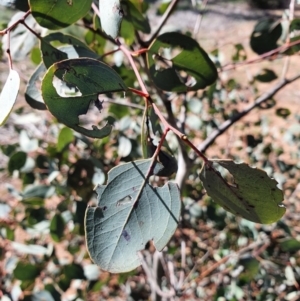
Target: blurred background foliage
point(48, 171)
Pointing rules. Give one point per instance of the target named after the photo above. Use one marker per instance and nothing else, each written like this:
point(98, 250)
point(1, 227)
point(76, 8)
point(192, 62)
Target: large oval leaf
point(8, 95)
point(130, 212)
point(91, 78)
point(50, 55)
point(177, 63)
point(252, 195)
point(56, 14)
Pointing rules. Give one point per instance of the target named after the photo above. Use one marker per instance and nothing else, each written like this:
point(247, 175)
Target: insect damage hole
point(64, 89)
point(225, 174)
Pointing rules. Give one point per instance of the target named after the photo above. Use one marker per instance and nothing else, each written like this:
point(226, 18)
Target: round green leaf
point(251, 268)
point(130, 212)
point(8, 95)
point(57, 227)
point(91, 78)
point(190, 68)
point(16, 161)
point(265, 35)
point(266, 76)
point(291, 245)
point(56, 14)
point(73, 271)
point(25, 271)
point(253, 195)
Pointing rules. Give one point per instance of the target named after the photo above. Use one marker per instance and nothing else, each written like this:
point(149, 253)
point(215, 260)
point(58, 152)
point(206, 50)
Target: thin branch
point(133, 65)
point(228, 123)
point(164, 19)
point(152, 281)
point(8, 51)
point(269, 54)
point(290, 19)
point(216, 265)
point(199, 18)
point(11, 27)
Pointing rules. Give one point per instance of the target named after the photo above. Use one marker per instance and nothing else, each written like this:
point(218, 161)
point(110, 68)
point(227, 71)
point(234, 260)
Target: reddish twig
point(6, 30)
point(228, 123)
point(269, 54)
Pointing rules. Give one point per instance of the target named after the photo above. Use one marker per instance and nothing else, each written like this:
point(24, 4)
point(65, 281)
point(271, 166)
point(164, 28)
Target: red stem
point(5, 31)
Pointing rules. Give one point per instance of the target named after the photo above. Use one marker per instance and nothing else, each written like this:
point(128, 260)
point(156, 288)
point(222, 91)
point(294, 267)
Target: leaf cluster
point(129, 108)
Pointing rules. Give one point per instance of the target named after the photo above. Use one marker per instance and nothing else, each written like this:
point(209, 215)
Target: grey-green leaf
point(252, 195)
point(33, 94)
point(8, 95)
point(111, 16)
point(130, 212)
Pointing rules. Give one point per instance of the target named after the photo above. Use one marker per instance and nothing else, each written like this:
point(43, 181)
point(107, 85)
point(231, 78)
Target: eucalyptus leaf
point(252, 195)
point(33, 94)
point(111, 16)
point(177, 63)
point(72, 48)
point(91, 78)
point(16, 161)
point(26, 271)
point(56, 14)
point(130, 212)
point(265, 35)
point(65, 137)
point(57, 227)
point(266, 76)
point(42, 296)
point(291, 245)
point(133, 16)
point(8, 95)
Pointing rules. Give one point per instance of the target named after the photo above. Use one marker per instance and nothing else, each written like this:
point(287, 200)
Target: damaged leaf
point(130, 212)
point(252, 195)
point(177, 63)
point(89, 78)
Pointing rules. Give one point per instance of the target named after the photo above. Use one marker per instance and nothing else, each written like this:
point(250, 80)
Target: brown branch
point(240, 252)
point(228, 123)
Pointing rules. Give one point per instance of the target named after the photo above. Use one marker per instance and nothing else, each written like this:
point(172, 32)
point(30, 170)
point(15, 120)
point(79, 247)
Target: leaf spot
point(98, 104)
point(126, 235)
